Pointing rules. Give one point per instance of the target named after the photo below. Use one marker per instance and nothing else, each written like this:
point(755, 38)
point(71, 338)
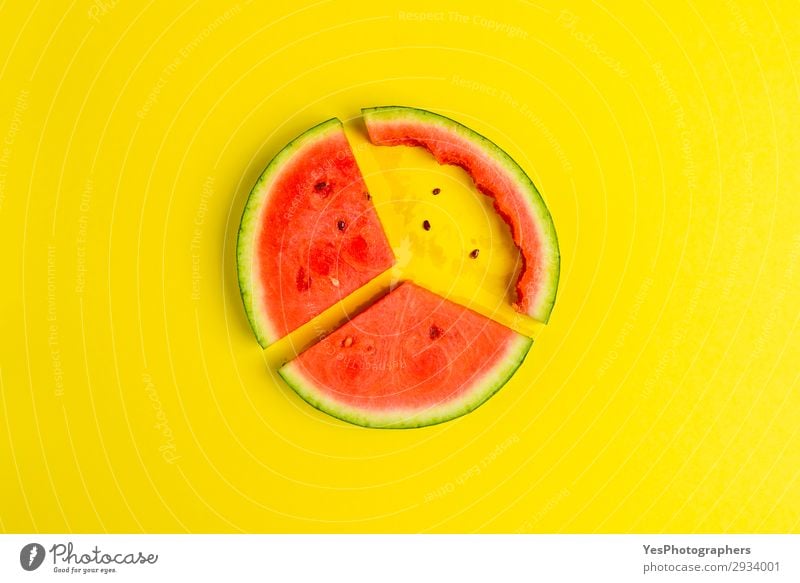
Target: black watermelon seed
point(474, 253)
point(426, 224)
point(368, 195)
point(320, 186)
point(437, 191)
point(341, 225)
point(435, 332)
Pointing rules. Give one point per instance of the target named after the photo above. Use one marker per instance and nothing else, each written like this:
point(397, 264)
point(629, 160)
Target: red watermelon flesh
point(411, 359)
point(310, 234)
point(495, 174)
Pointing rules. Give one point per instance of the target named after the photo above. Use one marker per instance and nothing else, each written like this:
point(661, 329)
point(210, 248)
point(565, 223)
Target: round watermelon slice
point(497, 175)
point(409, 360)
point(309, 234)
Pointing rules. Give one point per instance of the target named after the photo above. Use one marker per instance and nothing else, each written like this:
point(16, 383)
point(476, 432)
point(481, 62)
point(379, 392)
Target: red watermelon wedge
point(309, 234)
point(497, 175)
point(410, 359)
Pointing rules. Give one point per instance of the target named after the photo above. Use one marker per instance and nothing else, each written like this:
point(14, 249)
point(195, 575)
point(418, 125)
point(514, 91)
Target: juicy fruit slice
point(409, 360)
point(309, 234)
point(495, 174)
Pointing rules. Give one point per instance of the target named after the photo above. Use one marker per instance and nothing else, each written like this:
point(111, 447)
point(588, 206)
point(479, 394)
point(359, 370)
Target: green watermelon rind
point(542, 309)
point(246, 244)
point(481, 391)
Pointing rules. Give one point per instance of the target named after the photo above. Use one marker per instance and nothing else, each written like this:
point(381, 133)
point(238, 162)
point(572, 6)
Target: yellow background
point(662, 396)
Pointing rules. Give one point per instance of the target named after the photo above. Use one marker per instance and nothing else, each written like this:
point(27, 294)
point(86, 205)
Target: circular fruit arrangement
point(310, 236)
